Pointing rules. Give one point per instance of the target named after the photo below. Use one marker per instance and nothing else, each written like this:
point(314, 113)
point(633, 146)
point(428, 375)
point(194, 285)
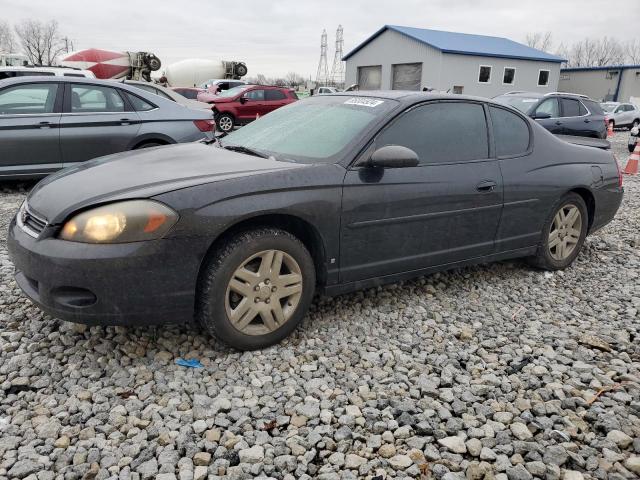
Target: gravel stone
point(455, 444)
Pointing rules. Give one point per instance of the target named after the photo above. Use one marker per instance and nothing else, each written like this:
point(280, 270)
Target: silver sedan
point(48, 123)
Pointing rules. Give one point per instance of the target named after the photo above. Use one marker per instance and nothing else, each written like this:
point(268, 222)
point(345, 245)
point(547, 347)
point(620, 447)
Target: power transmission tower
point(337, 71)
point(323, 73)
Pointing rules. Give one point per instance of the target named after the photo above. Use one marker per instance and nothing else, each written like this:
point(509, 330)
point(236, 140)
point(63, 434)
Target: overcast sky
point(278, 36)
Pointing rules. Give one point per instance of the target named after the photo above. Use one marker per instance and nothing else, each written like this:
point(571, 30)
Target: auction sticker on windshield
point(364, 102)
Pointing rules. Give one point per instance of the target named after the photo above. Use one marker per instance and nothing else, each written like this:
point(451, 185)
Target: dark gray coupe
point(333, 193)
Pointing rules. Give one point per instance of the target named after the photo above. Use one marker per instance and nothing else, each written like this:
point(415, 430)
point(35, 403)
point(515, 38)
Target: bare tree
point(632, 52)
point(539, 40)
point(40, 41)
point(595, 53)
point(7, 43)
point(294, 79)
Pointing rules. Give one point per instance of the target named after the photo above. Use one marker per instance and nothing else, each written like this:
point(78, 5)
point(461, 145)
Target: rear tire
point(255, 289)
point(563, 234)
point(226, 122)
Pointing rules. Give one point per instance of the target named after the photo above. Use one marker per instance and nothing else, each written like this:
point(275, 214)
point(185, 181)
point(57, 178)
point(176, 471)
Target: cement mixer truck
point(139, 65)
point(194, 71)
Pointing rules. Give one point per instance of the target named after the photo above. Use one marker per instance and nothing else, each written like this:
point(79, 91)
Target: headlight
point(129, 221)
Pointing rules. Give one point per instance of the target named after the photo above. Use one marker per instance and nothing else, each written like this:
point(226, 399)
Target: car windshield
point(232, 92)
point(608, 107)
point(524, 104)
point(313, 130)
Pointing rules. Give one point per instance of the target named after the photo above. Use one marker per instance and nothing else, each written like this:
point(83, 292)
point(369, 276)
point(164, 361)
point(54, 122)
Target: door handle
point(558, 123)
point(45, 124)
point(486, 186)
point(586, 120)
point(125, 121)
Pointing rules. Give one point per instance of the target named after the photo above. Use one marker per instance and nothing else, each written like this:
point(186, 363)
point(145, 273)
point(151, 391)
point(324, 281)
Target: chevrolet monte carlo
point(330, 194)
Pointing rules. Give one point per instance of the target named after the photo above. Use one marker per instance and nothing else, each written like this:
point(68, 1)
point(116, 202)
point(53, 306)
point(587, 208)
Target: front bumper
point(137, 283)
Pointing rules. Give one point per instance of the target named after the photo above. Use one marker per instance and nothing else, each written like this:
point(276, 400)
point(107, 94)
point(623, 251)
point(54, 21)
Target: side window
point(510, 131)
point(484, 75)
point(255, 94)
point(509, 76)
point(138, 104)
point(543, 78)
point(274, 95)
point(190, 94)
point(92, 98)
point(224, 86)
point(433, 132)
point(549, 106)
point(570, 107)
point(28, 99)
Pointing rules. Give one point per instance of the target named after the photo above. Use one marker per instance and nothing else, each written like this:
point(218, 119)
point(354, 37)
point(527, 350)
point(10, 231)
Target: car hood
point(142, 174)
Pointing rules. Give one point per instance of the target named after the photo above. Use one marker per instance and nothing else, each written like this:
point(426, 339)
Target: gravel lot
point(485, 372)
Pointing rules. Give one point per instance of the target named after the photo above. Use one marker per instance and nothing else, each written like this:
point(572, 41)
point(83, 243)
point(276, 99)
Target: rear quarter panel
point(533, 184)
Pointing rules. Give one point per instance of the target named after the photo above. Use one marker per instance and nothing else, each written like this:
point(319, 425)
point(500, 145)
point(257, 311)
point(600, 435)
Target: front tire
point(256, 288)
point(563, 234)
point(226, 122)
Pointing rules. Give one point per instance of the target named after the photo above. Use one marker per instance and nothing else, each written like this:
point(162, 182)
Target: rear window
point(138, 104)
point(570, 107)
point(511, 132)
point(594, 107)
point(274, 95)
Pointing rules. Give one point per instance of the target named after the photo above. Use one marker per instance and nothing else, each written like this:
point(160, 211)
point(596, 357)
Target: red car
point(192, 93)
point(243, 104)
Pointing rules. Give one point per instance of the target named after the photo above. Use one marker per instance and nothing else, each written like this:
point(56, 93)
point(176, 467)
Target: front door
point(554, 123)
point(29, 129)
point(442, 211)
point(253, 106)
point(95, 122)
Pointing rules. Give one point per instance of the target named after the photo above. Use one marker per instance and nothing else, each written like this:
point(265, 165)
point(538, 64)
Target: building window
point(370, 78)
point(543, 78)
point(484, 76)
point(406, 76)
point(457, 89)
point(509, 76)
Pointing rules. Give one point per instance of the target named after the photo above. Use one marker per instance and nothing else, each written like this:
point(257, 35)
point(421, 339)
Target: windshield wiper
point(247, 150)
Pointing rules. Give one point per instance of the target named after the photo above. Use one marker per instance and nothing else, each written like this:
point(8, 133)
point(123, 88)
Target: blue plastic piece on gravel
point(191, 363)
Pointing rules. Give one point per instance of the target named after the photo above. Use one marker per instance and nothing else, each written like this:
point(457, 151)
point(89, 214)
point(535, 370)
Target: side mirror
point(393, 156)
point(541, 115)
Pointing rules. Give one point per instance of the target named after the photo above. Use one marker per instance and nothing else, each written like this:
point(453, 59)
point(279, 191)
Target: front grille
point(30, 223)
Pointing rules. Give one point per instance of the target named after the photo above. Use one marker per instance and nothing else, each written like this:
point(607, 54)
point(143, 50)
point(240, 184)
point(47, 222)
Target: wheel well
point(150, 140)
point(589, 200)
point(303, 230)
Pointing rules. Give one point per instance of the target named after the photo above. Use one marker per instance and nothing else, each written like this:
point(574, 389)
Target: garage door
point(370, 78)
point(407, 76)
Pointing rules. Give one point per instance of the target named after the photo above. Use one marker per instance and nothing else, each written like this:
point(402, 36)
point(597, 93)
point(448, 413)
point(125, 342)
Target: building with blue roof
point(408, 58)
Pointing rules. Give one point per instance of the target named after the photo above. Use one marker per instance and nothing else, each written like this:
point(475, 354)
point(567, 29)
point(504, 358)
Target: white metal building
point(407, 58)
point(619, 83)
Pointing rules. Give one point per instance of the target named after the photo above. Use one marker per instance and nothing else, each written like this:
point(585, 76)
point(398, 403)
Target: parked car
point(327, 90)
point(47, 123)
point(217, 85)
point(38, 71)
point(199, 94)
point(333, 193)
point(560, 113)
point(622, 114)
point(634, 134)
point(169, 94)
point(245, 103)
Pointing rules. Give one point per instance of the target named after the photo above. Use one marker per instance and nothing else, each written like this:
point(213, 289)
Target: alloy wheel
point(225, 124)
point(263, 292)
point(565, 232)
